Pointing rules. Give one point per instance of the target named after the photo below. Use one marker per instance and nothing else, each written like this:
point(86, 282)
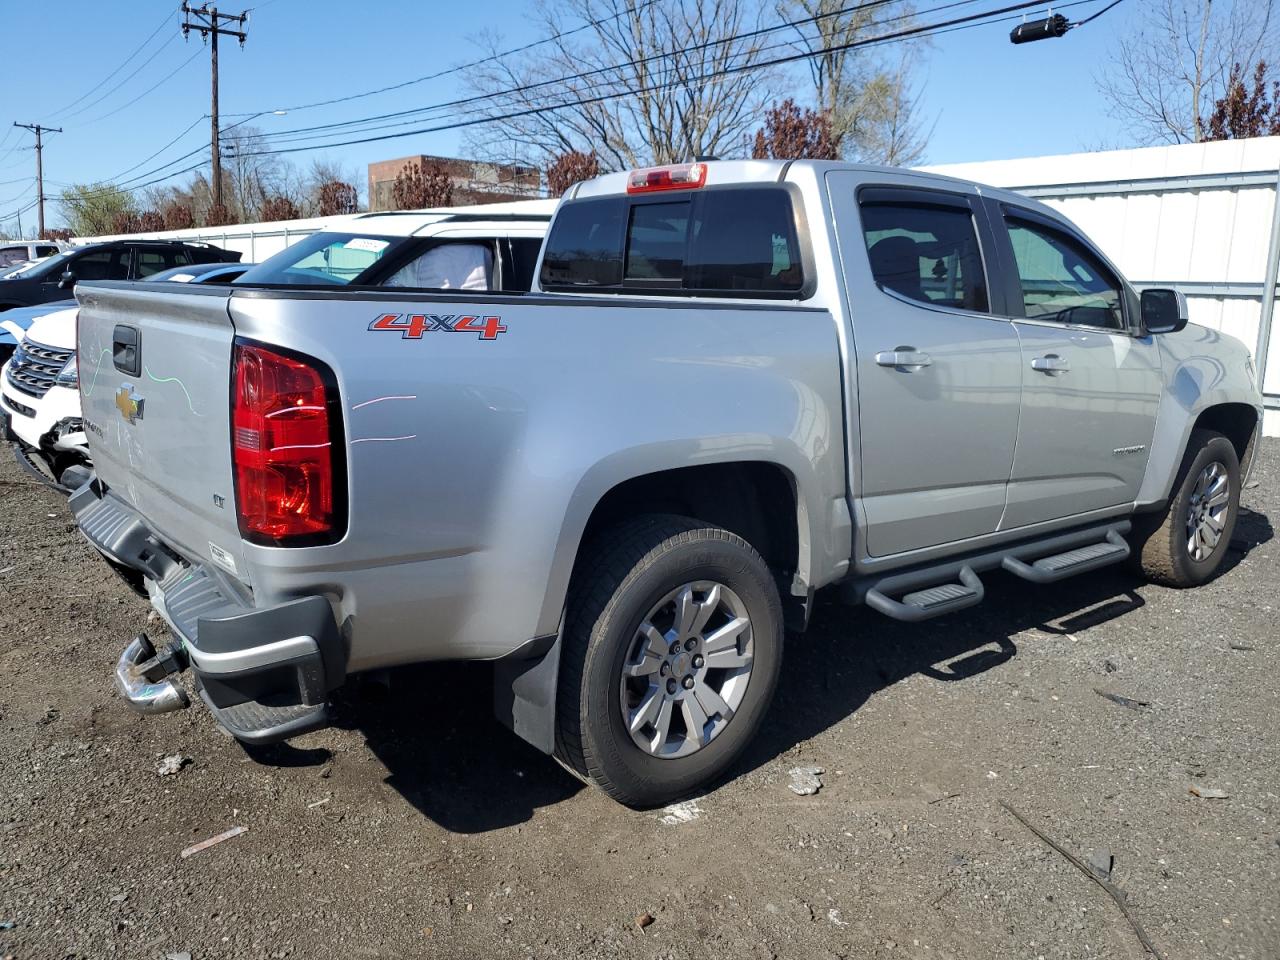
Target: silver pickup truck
point(734, 384)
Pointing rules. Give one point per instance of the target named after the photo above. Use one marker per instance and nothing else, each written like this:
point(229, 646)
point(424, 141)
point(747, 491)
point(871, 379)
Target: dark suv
point(113, 260)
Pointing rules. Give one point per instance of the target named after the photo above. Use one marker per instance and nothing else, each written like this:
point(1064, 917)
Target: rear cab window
point(739, 241)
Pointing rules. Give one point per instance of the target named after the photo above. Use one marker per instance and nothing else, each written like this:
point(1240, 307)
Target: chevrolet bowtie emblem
point(129, 403)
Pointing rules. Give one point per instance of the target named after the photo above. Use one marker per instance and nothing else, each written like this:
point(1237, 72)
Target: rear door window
point(110, 264)
point(926, 252)
point(727, 241)
point(151, 261)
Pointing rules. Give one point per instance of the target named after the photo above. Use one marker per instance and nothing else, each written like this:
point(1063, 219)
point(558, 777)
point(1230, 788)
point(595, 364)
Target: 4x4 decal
point(412, 326)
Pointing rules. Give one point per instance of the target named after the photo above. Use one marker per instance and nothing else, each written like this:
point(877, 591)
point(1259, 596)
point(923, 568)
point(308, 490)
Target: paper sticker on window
point(368, 244)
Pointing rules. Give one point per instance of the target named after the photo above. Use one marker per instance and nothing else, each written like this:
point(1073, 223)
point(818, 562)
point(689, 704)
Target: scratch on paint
point(181, 386)
point(380, 399)
point(412, 436)
point(88, 391)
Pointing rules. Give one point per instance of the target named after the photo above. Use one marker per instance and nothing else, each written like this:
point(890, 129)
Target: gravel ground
point(420, 828)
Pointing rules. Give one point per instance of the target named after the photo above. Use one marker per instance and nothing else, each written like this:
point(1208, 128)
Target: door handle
point(1051, 364)
point(903, 357)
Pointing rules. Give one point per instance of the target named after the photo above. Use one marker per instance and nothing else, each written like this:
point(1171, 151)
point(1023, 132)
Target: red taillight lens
point(680, 176)
point(284, 436)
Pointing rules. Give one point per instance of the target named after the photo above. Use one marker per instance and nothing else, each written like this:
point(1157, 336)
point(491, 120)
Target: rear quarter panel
point(474, 465)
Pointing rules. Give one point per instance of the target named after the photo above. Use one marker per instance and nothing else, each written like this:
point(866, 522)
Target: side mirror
point(67, 280)
point(1164, 311)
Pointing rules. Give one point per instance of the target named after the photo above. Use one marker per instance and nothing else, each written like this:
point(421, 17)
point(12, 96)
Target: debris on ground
point(206, 844)
point(1109, 667)
point(325, 771)
point(804, 781)
point(1102, 862)
point(318, 803)
point(1124, 701)
point(184, 955)
point(172, 765)
point(1207, 793)
point(1242, 646)
point(1114, 892)
point(7, 924)
point(678, 813)
point(644, 920)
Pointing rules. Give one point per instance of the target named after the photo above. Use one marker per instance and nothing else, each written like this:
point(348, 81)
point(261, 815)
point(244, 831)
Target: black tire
point(620, 578)
point(1160, 542)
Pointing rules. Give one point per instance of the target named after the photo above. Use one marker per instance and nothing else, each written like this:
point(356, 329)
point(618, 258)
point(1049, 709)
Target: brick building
point(473, 181)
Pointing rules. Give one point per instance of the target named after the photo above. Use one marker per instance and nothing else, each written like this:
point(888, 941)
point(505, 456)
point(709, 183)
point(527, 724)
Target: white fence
point(1204, 218)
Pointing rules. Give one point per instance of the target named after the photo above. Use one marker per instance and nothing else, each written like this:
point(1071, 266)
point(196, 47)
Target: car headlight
point(70, 375)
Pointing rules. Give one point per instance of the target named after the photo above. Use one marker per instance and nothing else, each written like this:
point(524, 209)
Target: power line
point(947, 26)
point(285, 136)
point(122, 65)
point(151, 89)
point(712, 75)
point(475, 63)
point(142, 66)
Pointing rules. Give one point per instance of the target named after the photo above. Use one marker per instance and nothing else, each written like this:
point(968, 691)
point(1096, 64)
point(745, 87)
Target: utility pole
point(39, 131)
point(208, 21)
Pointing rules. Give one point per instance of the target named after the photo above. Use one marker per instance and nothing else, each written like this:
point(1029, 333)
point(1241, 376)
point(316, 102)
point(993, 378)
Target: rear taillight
point(286, 446)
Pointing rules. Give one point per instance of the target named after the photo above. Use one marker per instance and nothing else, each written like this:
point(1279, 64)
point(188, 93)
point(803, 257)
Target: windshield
point(324, 259)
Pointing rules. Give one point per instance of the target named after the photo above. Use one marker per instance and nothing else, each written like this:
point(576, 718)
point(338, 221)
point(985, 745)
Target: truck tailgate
point(155, 383)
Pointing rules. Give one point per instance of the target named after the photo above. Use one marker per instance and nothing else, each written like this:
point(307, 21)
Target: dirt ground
point(420, 828)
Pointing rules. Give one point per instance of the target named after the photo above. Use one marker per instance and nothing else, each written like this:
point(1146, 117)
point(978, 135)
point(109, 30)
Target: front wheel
point(1185, 546)
point(672, 650)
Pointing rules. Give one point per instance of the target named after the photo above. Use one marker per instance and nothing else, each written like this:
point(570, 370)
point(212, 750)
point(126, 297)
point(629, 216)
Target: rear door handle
point(903, 357)
point(1051, 364)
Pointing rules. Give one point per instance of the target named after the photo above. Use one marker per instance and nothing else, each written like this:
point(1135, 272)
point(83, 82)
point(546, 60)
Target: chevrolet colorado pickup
point(733, 384)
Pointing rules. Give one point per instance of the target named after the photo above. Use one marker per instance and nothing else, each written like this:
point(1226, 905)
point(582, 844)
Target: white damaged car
point(40, 402)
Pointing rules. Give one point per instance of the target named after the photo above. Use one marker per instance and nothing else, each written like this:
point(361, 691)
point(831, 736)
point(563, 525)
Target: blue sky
point(985, 98)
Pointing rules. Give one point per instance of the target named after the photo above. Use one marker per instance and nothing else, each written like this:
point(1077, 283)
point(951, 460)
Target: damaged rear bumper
point(266, 673)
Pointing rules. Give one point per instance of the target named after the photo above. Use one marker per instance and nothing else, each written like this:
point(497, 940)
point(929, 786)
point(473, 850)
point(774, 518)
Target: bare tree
point(655, 90)
point(870, 99)
point(150, 221)
point(1165, 76)
point(570, 168)
point(790, 133)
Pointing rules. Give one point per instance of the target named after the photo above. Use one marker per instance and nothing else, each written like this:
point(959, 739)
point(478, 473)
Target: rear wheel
point(1185, 546)
point(672, 649)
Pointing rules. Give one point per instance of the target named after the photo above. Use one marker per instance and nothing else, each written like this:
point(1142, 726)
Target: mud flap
point(524, 691)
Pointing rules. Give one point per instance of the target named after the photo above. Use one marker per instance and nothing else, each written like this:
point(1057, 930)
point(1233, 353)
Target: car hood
point(57, 329)
point(22, 317)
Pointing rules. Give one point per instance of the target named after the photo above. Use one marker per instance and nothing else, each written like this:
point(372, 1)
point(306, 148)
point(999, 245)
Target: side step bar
point(932, 601)
point(931, 590)
point(1063, 565)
